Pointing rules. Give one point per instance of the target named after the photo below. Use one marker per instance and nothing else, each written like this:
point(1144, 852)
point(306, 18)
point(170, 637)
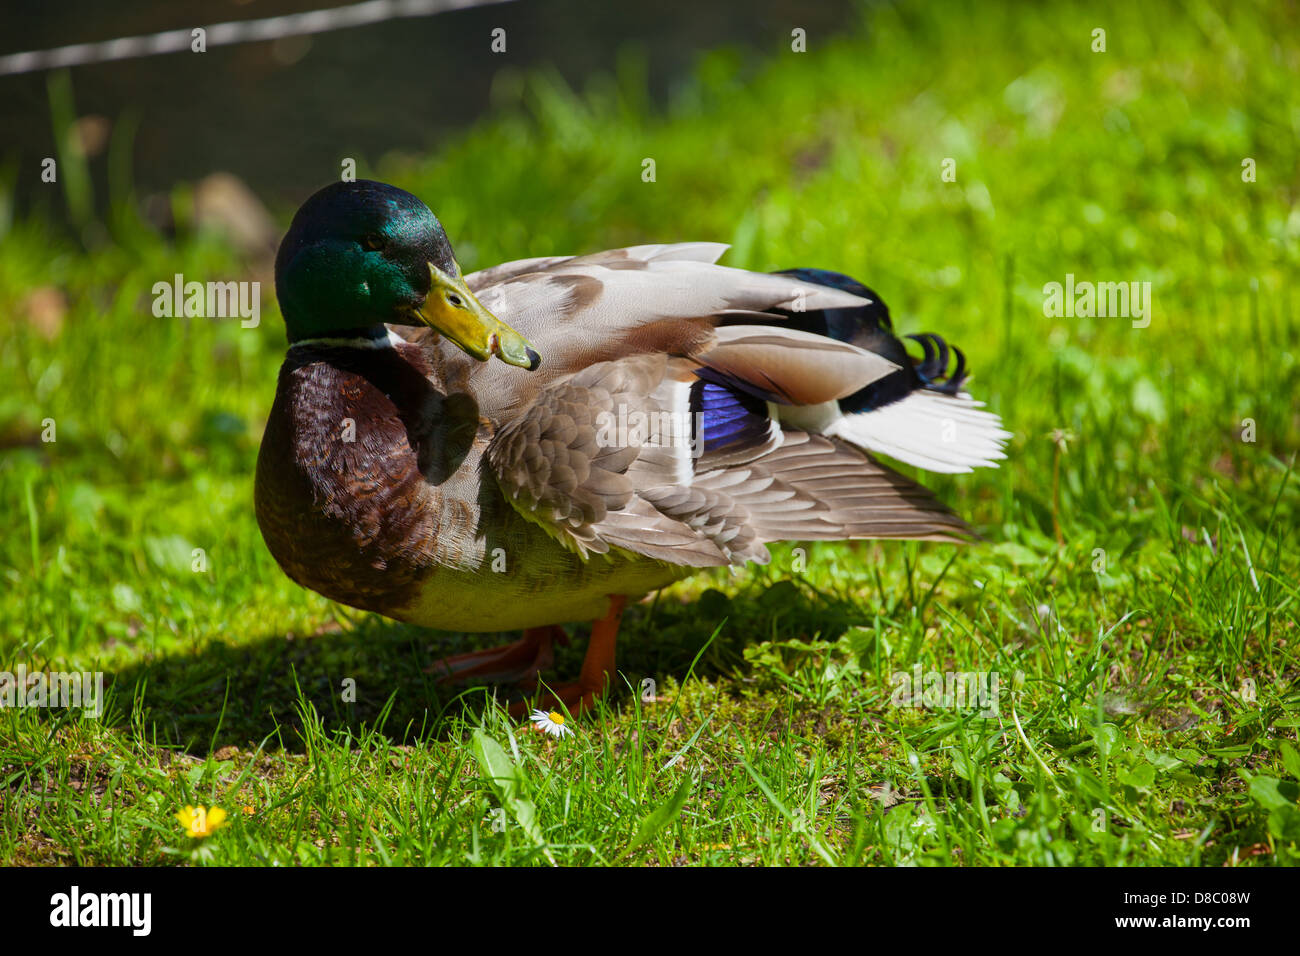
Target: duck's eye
point(373, 242)
point(454, 300)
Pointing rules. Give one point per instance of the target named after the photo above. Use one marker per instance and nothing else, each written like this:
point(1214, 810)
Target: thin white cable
point(237, 31)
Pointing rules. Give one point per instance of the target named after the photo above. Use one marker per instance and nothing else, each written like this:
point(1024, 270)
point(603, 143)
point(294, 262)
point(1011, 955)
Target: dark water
point(281, 115)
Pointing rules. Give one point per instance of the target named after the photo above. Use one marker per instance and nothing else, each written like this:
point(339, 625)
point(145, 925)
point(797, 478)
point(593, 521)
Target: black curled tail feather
point(933, 368)
point(871, 327)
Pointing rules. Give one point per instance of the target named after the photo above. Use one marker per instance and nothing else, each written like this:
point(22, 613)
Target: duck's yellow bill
point(450, 308)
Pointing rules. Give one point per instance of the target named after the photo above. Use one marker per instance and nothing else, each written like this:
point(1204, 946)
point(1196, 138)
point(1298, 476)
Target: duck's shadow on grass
point(374, 673)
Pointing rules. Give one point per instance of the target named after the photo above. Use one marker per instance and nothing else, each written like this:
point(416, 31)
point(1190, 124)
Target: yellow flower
point(200, 822)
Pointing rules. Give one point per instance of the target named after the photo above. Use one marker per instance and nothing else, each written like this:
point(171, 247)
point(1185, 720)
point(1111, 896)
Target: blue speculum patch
point(725, 416)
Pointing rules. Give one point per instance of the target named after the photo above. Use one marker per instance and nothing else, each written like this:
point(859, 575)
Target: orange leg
point(522, 660)
point(597, 667)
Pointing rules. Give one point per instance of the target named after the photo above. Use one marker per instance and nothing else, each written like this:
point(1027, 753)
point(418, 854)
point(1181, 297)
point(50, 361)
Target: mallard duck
point(538, 442)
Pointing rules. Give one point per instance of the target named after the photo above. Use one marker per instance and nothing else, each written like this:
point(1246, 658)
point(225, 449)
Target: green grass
point(1136, 592)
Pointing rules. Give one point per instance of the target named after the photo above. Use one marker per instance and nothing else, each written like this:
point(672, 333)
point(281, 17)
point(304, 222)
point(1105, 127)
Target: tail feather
point(950, 434)
point(919, 414)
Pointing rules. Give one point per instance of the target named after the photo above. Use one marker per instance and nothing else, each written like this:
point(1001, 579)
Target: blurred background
point(279, 114)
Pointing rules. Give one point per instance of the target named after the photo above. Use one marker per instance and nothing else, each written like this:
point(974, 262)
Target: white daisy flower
point(552, 723)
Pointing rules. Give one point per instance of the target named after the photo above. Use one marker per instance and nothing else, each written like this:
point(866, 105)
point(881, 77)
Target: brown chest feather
point(358, 473)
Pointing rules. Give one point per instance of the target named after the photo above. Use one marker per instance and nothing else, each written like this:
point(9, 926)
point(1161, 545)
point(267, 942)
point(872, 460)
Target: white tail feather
point(951, 434)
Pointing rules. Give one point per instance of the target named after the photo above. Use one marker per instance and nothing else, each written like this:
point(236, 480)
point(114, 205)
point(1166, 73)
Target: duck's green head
point(362, 254)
